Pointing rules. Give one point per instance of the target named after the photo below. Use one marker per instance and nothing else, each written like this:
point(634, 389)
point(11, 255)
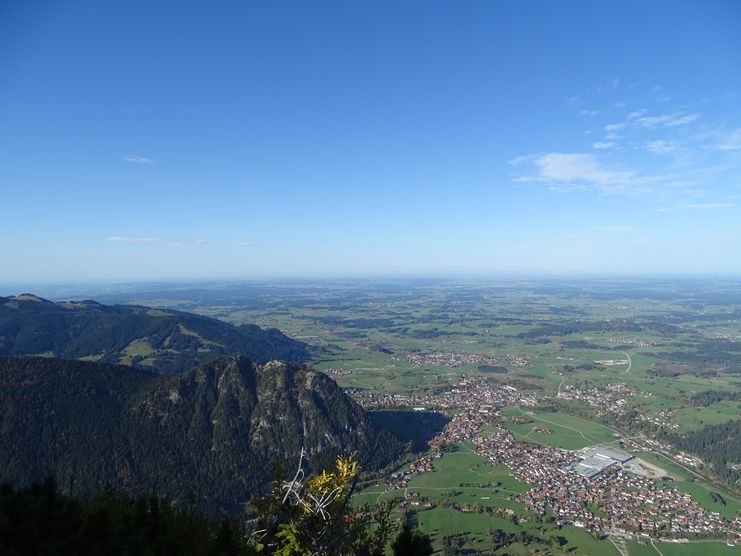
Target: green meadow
point(466, 478)
point(566, 431)
point(695, 548)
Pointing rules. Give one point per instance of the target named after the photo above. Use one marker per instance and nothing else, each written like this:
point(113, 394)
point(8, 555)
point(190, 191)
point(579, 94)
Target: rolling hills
point(161, 341)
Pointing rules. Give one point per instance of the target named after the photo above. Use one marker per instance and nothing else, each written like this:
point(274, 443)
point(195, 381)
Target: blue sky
point(154, 140)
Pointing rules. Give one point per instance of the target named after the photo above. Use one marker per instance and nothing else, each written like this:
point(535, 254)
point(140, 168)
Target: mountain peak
point(17, 301)
point(31, 297)
point(220, 427)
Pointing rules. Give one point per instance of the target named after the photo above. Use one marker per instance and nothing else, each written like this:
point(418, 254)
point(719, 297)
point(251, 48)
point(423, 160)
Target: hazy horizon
point(103, 289)
point(148, 142)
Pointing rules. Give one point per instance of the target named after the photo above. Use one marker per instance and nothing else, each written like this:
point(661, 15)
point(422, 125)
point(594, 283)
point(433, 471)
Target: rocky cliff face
point(214, 433)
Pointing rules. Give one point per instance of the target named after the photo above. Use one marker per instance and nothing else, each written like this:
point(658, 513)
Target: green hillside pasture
point(637, 549)
point(442, 522)
point(466, 478)
point(706, 548)
point(567, 431)
point(693, 418)
point(673, 386)
point(468, 469)
point(581, 543)
point(700, 490)
point(374, 494)
point(139, 347)
point(702, 493)
point(511, 411)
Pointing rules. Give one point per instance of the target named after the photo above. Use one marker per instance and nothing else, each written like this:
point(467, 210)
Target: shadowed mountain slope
point(162, 341)
point(215, 431)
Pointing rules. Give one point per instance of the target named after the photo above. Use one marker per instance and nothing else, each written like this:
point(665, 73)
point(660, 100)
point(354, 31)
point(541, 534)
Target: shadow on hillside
point(416, 427)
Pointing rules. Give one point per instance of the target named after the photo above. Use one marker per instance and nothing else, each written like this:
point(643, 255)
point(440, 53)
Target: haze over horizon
point(152, 141)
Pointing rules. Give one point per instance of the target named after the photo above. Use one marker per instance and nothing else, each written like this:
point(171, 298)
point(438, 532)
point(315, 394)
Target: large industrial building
point(598, 458)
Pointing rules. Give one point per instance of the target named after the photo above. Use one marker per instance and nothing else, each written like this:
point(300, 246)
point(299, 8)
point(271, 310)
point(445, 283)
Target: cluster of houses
point(634, 342)
point(340, 372)
point(664, 419)
point(590, 488)
point(452, 359)
point(514, 360)
point(461, 428)
point(471, 393)
point(422, 464)
point(612, 399)
point(449, 359)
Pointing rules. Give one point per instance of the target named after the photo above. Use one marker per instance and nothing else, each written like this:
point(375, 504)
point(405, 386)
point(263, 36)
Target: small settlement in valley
point(602, 488)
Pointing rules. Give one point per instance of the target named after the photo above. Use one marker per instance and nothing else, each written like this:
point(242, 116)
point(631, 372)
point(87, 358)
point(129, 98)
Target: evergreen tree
point(412, 543)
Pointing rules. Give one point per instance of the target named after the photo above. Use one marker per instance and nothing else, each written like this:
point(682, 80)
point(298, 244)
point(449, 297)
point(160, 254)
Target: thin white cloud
point(683, 120)
point(519, 160)
point(671, 155)
point(661, 146)
point(569, 171)
point(604, 145)
point(245, 243)
point(695, 206)
point(708, 206)
point(136, 159)
point(730, 142)
point(133, 239)
point(667, 120)
point(188, 243)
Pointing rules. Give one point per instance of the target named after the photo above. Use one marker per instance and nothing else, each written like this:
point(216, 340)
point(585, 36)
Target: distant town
point(602, 488)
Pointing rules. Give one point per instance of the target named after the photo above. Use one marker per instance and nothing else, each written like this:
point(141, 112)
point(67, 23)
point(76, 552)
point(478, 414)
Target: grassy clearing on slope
point(139, 347)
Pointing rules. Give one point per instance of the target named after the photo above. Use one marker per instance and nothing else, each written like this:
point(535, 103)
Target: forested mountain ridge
point(719, 445)
point(214, 432)
point(162, 341)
